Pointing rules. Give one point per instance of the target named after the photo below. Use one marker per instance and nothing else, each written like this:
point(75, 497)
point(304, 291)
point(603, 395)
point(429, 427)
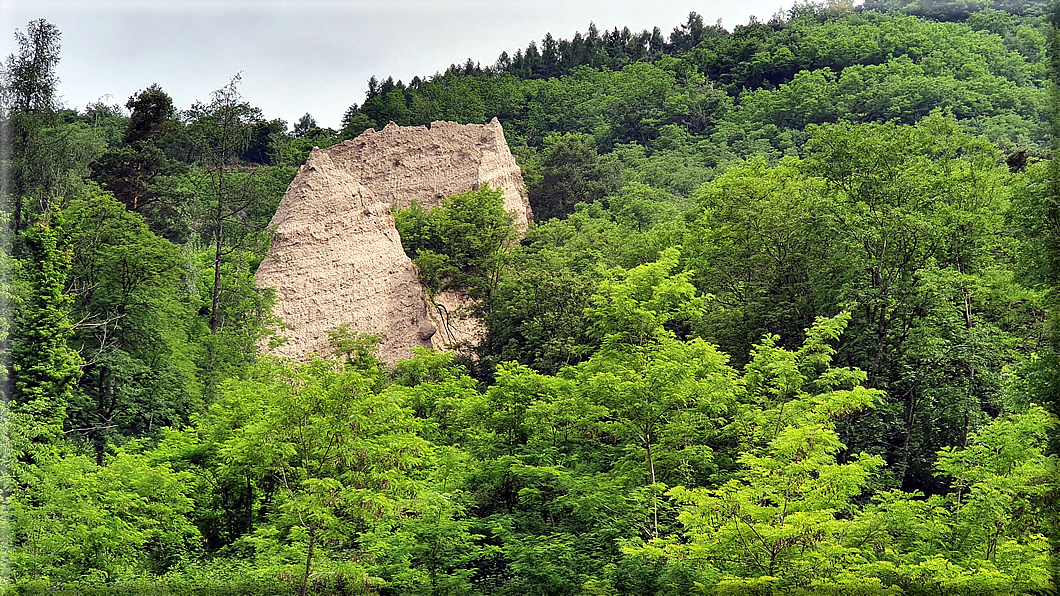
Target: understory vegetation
point(785, 322)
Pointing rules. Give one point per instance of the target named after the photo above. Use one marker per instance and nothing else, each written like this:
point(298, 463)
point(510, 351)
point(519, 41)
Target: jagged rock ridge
point(336, 257)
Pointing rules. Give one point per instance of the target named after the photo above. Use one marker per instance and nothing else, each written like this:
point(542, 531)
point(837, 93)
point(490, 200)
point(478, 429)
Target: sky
point(313, 56)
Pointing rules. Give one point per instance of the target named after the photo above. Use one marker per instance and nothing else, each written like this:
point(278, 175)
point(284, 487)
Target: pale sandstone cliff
point(336, 257)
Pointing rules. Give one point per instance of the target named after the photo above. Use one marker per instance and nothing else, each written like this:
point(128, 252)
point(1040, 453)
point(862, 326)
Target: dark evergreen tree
point(550, 57)
point(305, 124)
point(572, 175)
point(141, 172)
point(688, 35)
point(533, 60)
point(263, 139)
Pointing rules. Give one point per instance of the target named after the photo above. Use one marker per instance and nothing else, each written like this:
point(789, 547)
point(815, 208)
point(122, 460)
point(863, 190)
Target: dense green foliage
point(460, 245)
point(786, 322)
point(44, 369)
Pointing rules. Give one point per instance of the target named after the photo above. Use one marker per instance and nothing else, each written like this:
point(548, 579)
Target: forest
point(787, 321)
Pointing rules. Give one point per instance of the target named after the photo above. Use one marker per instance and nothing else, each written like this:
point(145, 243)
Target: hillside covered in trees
point(786, 322)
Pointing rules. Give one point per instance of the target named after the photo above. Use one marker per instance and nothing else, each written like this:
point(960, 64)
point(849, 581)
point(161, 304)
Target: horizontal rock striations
point(336, 256)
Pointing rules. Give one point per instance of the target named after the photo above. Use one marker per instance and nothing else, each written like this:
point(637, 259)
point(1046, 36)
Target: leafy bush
point(460, 245)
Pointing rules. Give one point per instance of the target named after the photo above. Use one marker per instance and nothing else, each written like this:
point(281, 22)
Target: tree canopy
point(785, 322)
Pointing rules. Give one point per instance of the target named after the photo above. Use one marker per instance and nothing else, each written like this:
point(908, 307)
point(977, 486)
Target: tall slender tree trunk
point(911, 406)
point(651, 473)
point(19, 189)
point(16, 225)
point(308, 561)
point(215, 309)
point(651, 462)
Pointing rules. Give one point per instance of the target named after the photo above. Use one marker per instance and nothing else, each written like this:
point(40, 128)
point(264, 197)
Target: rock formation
point(336, 257)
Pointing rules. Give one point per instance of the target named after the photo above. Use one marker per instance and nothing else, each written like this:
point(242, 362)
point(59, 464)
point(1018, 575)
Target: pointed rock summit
point(336, 257)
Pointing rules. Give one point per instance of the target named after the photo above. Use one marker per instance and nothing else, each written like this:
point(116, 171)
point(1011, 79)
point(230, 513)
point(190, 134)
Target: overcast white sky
point(315, 56)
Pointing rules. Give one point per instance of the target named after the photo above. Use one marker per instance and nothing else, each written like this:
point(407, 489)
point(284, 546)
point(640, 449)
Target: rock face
point(336, 257)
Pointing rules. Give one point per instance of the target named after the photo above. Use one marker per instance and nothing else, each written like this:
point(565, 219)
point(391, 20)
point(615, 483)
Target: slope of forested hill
point(766, 81)
point(785, 322)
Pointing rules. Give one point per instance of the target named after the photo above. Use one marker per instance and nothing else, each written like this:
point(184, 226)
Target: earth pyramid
point(336, 256)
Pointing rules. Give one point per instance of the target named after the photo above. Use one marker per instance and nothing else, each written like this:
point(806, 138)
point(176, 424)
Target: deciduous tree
point(45, 370)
